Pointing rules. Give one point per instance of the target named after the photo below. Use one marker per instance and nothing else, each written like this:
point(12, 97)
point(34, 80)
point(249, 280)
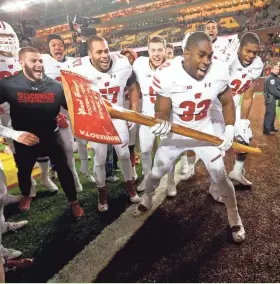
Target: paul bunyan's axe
point(90, 116)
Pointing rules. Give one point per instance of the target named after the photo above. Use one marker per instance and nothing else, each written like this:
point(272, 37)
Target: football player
point(131, 56)
point(144, 68)
point(53, 63)
point(169, 51)
point(223, 46)
point(185, 92)
point(110, 74)
point(245, 69)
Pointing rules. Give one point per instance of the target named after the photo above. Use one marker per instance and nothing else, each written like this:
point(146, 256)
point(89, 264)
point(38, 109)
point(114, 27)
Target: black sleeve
point(273, 88)
point(131, 80)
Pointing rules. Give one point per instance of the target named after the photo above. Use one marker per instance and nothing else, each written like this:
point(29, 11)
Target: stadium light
point(13, 7)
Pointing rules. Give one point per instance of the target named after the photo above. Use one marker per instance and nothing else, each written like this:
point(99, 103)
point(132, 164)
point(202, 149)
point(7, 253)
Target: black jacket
point(271, 87)
point(34, 106)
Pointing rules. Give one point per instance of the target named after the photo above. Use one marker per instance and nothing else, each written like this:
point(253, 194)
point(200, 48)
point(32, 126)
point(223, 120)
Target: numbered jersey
point(144, 76)
point(52, 67)
point(241, 78)
point(9, 66)
point(111, 84)
point(190, 98)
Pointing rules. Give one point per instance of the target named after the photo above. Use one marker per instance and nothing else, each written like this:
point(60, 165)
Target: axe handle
point(139, 118)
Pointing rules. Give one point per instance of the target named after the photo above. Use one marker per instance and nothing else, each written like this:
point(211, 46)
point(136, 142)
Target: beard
point(30, 73)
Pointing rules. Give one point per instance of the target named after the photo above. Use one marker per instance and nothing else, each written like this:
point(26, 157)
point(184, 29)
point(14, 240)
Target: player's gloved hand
point(161, 129)
point(244, 132)
point(61, 121)
point(130, 125)
point(228, 138)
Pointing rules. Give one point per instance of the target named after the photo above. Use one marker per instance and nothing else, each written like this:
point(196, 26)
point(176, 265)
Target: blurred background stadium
point(129, 23)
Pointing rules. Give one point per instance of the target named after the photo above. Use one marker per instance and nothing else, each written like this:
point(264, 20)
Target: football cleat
point(13, 226)
point(145, 205)
point(24, 204)
point(135, 199)
point(234, 175)
point(89, 176)
point(171, 190)
point(49, 184)
point(9, 253)
point(78, 186)
point(238, 233)
point(102, 199)
point(77, 211)
point(112, 179)
point(130, 191)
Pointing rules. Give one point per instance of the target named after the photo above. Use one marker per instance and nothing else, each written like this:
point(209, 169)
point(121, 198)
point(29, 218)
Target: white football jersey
point(190, 98)
point(144, 76)
point(223, 47)
point(241, 78)
point(110, 84)
point(52, 67)
point(9, 66)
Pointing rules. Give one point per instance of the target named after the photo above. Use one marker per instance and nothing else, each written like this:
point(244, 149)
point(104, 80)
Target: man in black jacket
point(271, 94)
point(35, 102)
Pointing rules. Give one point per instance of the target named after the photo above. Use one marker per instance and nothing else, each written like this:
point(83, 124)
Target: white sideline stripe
point(86, 265)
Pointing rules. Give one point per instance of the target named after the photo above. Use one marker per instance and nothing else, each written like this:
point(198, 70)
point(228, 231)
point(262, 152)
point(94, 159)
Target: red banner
point(89, 117)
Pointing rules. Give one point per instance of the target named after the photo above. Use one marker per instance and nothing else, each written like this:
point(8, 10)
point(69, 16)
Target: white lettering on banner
point(81, 109)
point(88, 105)
point(93, 105)
point(99, 109)
point(76, 92)
point(99, 136)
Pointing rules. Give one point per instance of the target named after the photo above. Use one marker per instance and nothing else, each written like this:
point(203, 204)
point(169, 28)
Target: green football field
point(52, 237)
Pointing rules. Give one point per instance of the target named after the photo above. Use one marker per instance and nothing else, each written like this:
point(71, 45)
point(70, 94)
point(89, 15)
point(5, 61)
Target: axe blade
point(89, 117)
